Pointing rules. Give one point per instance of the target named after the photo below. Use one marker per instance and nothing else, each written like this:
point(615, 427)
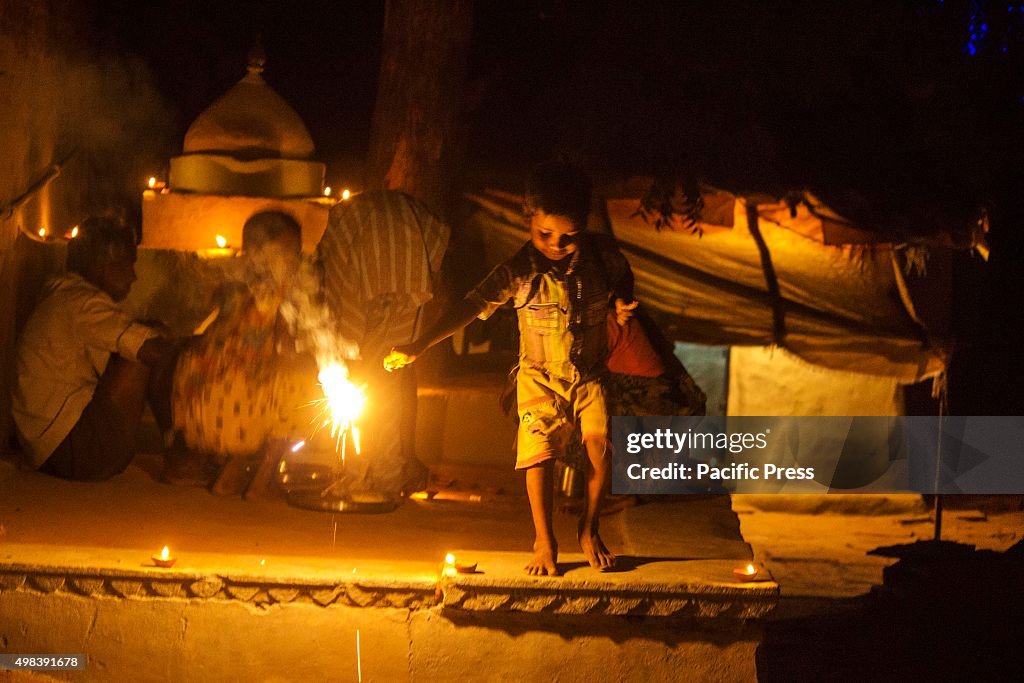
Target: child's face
point(553, 236)
point(276, 261)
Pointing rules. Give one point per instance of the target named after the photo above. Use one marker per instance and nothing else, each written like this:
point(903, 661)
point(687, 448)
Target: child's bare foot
point(233, 478)
point(594, 549)
point(545, 557)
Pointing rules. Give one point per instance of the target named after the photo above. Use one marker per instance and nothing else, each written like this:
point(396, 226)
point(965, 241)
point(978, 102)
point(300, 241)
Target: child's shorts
point(550, 409)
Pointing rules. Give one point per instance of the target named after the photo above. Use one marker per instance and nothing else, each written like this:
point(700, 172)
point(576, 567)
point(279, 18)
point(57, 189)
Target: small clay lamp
point(164, 559)
point(453, 566)
point(746, 572)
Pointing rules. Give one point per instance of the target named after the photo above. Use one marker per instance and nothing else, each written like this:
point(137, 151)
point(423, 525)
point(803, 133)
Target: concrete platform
point(87, 538)
point(263, 591)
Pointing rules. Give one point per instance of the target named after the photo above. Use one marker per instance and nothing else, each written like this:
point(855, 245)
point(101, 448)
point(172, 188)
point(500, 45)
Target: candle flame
point(751, 569)
point(151, 182)
point(165, 554)
point(221, 241)
point(74, 232)
point(345, 194)
point(327, 191)
point(42, 232)
point(449, 559)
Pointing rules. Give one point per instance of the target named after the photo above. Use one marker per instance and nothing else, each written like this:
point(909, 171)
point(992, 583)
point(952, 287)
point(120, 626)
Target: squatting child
point(562, 283)
point(241, 392)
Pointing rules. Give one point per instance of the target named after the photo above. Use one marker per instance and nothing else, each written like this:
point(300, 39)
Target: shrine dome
point(250, 143)
point(250, 121)
point(248, 152)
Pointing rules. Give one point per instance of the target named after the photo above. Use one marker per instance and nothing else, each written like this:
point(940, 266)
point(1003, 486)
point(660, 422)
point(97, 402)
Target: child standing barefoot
point(562, 283)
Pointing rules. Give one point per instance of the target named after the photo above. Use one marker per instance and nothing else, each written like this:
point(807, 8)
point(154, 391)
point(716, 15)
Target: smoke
point(306, 312)
point(120, 128)
point(269, 269)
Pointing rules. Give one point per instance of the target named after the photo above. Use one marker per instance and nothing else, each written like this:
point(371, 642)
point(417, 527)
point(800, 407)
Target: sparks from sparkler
point(359, 659)
point(341, 406)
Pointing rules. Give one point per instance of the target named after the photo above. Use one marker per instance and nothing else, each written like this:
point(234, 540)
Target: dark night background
point(906, 116)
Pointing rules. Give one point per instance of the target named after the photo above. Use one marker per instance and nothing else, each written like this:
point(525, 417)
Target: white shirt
point(62, 352)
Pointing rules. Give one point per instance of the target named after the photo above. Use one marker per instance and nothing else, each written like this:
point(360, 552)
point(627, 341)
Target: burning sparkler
point(342, 405)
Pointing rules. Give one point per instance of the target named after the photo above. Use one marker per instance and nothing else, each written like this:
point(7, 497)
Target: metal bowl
point(314, 500)
point(302, 476)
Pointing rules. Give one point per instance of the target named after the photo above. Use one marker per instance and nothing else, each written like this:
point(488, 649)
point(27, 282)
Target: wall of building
point(66, 101)
point(176, 639)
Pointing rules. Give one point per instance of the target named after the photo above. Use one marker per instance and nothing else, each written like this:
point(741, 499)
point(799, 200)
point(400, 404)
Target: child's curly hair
point(559, 188)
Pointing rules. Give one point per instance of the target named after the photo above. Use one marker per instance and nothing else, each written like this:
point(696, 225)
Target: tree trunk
point(423, 64)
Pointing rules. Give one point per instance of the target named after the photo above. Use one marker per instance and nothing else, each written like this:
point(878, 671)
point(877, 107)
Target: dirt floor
point(948, 615)
point(825, 555)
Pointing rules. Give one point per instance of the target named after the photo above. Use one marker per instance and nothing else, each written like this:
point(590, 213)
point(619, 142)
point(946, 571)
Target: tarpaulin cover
point(842, 303)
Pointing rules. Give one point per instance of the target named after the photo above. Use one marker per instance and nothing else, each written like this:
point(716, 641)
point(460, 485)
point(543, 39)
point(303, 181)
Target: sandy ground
point(825, 555)
point(125, 520)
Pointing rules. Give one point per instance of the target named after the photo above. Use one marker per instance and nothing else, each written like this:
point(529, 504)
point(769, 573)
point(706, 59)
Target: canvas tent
point(849, 323)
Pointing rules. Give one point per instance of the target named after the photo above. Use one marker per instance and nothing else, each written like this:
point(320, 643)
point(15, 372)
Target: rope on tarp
point(940, 391)
point(772, 282)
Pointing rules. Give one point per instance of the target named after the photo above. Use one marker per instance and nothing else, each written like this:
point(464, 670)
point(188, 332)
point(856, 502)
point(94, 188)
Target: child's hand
point(624, 311)
point(399, 357)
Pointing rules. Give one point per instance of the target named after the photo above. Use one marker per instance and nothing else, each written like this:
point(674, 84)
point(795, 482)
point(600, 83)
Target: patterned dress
point(234, 389)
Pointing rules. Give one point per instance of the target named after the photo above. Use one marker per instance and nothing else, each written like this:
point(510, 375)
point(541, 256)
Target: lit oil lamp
point(155, 184)
point(327, 191)
point(746, 572)
point(164, 559)
point(222, 248)
point(345, 194)
point(452, 566)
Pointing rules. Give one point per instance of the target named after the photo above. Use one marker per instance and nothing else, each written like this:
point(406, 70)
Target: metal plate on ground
point(305, 476)
point(314, 500)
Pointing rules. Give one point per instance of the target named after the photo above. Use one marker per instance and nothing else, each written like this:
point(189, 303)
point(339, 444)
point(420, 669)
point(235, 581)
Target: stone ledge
point(651, 587)
point(655, 587)
point(260, 591)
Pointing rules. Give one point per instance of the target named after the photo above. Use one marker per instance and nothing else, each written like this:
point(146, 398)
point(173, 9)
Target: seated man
point(84, 367)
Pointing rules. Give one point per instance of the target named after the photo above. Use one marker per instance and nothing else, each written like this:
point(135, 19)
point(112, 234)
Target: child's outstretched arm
point(454, 318)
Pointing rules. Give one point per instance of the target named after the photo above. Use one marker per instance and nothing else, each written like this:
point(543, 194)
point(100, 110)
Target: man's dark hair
point(269, 226)
point(559, 188)
point(100, 240)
